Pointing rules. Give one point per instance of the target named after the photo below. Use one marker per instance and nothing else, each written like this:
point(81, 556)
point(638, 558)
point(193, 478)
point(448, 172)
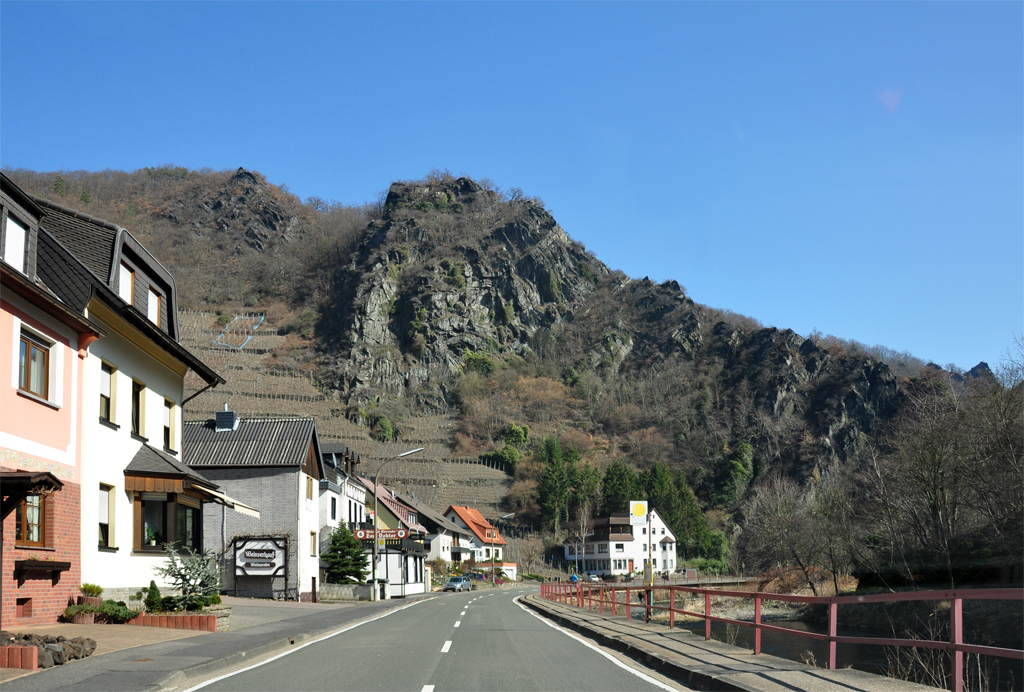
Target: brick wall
point(63, 544)
point(274, 492)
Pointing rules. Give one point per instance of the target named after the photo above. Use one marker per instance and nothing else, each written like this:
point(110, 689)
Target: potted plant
point(150, 536)
point(90, 595)
point(81, 614)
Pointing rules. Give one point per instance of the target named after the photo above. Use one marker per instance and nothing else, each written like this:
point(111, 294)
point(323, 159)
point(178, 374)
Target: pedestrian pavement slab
point(710, 664)
point(263, 628)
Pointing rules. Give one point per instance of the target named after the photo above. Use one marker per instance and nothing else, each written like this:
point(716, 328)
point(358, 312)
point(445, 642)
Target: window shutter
point(14, 245)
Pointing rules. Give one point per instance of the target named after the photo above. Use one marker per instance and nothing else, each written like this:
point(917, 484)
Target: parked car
point(458, 584)
point(592, 576)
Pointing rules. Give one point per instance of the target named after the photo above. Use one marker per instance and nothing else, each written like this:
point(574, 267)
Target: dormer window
point(126, 284)
point(412, 518)
point(14, 244)
point(153, 307)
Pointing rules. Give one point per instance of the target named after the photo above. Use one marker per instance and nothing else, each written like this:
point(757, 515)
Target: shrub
point(479, 362)
point(213, 600)
point(117, 612)
point(384, 429)
point(455, 273)
point(194, 575)
point(516, 435)
point(509, 455)
point(153, 602)
point(91, 590)
point(72, 611)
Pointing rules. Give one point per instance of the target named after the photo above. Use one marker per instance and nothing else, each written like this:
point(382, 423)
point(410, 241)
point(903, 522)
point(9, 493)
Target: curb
point(201, 671)
point(694, 678)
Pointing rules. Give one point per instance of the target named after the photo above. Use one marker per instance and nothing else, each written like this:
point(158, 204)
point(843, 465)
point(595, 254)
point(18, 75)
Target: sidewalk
point(174, 659)
point(710, 665)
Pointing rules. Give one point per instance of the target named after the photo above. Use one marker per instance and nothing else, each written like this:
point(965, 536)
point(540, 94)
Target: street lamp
point(493, 531)
point(375, 596)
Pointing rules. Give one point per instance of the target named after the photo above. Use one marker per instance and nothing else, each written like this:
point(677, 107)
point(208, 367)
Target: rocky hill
point(451, 297)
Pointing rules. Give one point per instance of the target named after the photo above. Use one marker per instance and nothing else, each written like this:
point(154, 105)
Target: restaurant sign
point(370, 534)
point(261, 557)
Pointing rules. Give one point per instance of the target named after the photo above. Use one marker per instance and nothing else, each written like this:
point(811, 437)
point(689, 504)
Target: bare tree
point(582, 528)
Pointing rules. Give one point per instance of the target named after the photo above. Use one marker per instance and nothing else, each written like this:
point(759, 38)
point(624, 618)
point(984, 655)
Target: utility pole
point(375, 593)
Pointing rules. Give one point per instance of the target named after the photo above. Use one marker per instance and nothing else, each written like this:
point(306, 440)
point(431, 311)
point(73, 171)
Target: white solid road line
point(303, 646)
point(620, 664)
point(446, 647)
point(458, 622)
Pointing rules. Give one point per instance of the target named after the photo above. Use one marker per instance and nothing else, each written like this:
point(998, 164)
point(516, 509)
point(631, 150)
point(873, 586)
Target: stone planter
point(90, 600)
point(204, 622)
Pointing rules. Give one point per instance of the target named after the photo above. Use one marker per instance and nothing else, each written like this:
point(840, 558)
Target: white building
point(614, 547)
point(136, 493)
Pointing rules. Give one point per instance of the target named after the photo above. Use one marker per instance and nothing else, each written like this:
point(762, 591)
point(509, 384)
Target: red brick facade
point(62, 536)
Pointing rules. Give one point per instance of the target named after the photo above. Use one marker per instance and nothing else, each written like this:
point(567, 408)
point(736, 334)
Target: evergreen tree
point(693, 538)
point(587, 488)
point(554, 485)
point(663, 495)
point(345, 558)
point(620, 486)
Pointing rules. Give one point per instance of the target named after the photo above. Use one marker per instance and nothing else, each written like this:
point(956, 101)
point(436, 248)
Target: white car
point(592, 576)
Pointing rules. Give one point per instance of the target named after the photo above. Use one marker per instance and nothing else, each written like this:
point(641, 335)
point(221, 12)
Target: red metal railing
point(585, 596)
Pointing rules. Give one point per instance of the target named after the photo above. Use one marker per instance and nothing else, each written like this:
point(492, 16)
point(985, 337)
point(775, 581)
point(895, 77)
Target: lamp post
point(375, 595)
point(493, 531)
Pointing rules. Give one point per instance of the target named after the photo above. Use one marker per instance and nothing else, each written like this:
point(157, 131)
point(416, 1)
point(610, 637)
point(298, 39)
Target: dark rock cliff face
point(451, 268)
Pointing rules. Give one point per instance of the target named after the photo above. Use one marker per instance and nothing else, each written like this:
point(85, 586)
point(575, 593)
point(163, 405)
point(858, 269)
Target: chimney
point(226, 420)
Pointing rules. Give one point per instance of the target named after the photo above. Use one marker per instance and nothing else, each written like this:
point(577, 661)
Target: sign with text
point(260, 557)
point(638, 512)
point(386, 534)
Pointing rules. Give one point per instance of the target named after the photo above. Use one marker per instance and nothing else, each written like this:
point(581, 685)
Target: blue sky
point(852, 167)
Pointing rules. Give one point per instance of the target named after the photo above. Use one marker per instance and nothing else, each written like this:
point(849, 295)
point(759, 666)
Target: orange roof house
point(471, 519)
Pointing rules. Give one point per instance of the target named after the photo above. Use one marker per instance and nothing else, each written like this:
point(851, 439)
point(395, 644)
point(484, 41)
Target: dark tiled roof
point(394, 505)
point(62, 273)
point(151, 461)
point(270, 441)
point(92, 240)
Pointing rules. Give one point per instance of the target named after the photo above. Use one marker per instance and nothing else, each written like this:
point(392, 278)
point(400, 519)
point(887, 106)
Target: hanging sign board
point(638, 513)
point(260, 557)
point(370, 534)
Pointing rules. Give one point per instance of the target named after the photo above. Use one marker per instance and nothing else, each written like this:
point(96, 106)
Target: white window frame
point(126, 288)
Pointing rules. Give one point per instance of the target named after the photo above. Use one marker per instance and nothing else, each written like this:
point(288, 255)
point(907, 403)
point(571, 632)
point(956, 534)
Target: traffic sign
point(638, 512)
point(370, 534)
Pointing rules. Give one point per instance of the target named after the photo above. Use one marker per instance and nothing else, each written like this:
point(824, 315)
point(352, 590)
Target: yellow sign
point(637, 512)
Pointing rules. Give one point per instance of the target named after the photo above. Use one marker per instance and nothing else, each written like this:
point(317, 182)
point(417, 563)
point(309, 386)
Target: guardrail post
point(648, 602)
point(590, 597)
point(956, 636)
point(757, 625)
point(629, 601)
point(671, 607)
point(614, 602)
point(707, 615)
point(833, 627)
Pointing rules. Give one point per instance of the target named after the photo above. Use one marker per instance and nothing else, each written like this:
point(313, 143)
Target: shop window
point(34, 365)
point(106, 516)
point(30, 522)
point(106, 393)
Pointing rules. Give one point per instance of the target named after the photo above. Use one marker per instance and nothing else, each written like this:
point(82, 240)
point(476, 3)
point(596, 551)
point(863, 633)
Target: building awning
point(222, 499)
point(17, 485)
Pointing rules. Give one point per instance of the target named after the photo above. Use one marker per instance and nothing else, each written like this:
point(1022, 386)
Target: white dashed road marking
point(446, 647)
point(427, 688)
point(458, 622)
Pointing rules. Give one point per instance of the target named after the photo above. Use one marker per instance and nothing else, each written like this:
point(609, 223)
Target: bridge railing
point(609, 598)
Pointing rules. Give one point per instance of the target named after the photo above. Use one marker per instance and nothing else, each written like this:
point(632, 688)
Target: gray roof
point(152, 461)
point(63, 273)
point(428, 513)
point(258, 441)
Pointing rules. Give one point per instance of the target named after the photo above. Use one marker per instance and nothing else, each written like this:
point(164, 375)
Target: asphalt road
point(458, 641)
